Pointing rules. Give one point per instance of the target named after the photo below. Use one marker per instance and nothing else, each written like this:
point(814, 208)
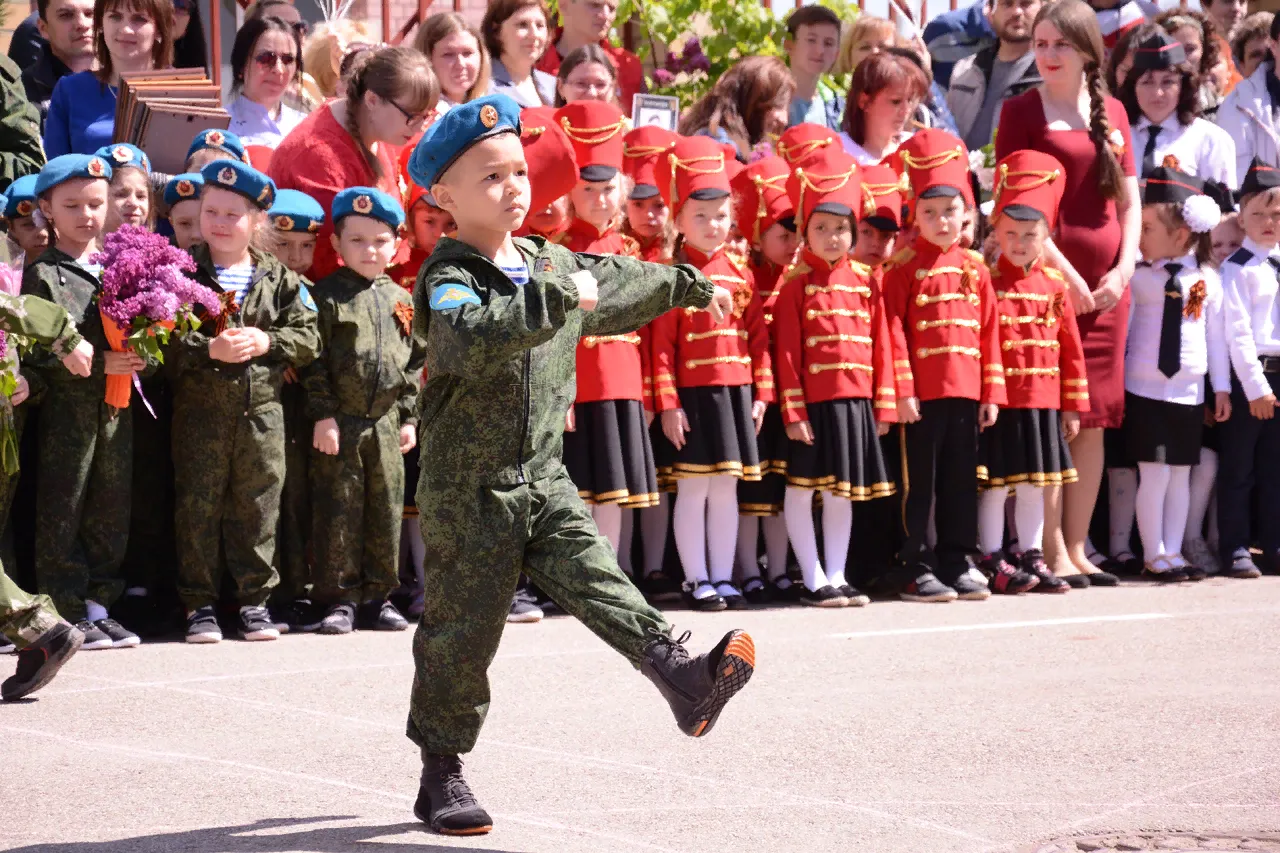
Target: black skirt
point(721, 437)
point(1024, 446)
point(845, 458)
point(764, 497)
point(1157, 431)
point(608, 455)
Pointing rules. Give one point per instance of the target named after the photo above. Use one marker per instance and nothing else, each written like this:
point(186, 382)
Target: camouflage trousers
point(357, 504)
point(8, 489)
point(294, 536)
point(478, 540)
point(229, 467)
point(24, 617)
point(82, 496)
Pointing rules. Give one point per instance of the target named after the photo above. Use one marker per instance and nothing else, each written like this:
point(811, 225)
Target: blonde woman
point(457, 56)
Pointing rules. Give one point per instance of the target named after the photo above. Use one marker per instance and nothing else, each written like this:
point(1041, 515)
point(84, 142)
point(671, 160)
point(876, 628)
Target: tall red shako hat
point(694, 168)
point(801, 141)
point(760, 197)
point(642, 148)
point(825, 183)
point(937, 166)
point(884, 192)
point(596, 129)
point(553, 166)
point(1028, 186)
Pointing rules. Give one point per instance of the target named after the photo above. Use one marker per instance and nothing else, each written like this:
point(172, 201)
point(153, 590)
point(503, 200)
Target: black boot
point(39, 662)
point(445, 802)
point(698, 688)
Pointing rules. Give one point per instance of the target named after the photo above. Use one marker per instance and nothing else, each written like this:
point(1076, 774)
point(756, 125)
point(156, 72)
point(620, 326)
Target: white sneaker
point(524, 609)
point(7, 648)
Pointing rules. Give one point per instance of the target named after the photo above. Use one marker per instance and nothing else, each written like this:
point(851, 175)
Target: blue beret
point(123, 154)
point(21, 197)
point(456, 131)
point(184, 187)
point(296, 211)
point(240, 178)
point(69, 167)
point(367, 201)
point(220, 140)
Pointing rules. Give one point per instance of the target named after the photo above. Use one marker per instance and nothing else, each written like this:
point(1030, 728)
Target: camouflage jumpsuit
point(493, 494)
point(367, 377)
point(85, 454)
point(21, 146)
point(24, 617)
point(228, 435)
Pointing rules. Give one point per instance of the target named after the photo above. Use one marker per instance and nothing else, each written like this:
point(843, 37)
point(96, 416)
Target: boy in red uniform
point(946, 352)
point(553, 172)
point(1044, 374)
point(835, 374)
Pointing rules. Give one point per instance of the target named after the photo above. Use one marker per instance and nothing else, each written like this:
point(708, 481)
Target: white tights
point(837, 527)
point(609, 521)
point(707, 522)
point(1163, 497)
point(1028, 515)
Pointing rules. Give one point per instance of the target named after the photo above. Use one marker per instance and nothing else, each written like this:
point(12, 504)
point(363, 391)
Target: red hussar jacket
point(768, 279)
point(655, 251)
point(1039, 340)
point(609, 366)
point(942, 322)
point(406, 274)
point(831, 339)
point(690, 350)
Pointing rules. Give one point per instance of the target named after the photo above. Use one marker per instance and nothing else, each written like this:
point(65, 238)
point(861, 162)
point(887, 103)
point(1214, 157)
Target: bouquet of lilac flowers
point(146, 296)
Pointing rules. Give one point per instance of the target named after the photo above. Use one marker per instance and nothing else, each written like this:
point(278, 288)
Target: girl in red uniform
point(712, 383)
point(835, 372)
point(765, 219)
point(1044, 374)
point(553, 172)
point(606, 446)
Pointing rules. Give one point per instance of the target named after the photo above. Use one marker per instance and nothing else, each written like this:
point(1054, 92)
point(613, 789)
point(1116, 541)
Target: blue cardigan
point(82, 116)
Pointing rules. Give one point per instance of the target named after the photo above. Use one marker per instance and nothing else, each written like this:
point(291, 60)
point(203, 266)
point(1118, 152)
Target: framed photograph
point(656, 110)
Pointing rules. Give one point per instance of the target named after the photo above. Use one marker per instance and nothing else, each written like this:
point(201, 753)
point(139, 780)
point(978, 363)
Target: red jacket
point(768, 279)
point(406, 274)
point(627, 64)
point(831, 339)
point(691, 351)
point(1039, 340)
point(942, 322)
point(610, 367)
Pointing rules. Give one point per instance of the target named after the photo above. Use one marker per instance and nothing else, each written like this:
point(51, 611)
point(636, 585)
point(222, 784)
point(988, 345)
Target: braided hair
point(399, 74)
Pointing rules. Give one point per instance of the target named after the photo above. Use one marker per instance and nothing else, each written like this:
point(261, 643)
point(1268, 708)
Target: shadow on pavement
point(236, 839)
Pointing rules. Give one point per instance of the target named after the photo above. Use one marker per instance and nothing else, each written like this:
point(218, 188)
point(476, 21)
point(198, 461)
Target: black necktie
point(1149, 153)
point(1170, 358)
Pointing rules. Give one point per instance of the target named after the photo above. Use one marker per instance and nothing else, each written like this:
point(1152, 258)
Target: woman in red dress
point(1096, 243)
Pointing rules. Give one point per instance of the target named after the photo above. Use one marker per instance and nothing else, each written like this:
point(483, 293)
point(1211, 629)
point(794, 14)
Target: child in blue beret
point(361, 392)
point(502, 317)
point(293, 224)
point(129, 202)
point(182, 197)
point(85, 447)
point(214, 144)
point(20, 205)
point(227, 376)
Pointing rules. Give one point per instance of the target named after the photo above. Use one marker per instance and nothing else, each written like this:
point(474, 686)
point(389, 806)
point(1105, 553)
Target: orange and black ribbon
point(404, 316)
point(1195, 301)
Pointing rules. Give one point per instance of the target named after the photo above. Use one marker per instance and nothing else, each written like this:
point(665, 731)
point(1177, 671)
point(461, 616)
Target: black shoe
point(733, 598)
point(854, 596)
point(299, 616)
point(445, 802)
point(824, 596)
point(970, 585)
point(380, 616)
point(785, 590)
point(698, 688)
point(94, 637)
point(923, 585)
point(1240, 566)
point(202, 626)
point(712, 603)
point(256, 624)
point(1101, 578)
point(525, 609)
point(755, 591)
point(341, 619)
point(39, 662)
point(1077, 581)
point(1005, 578)
point(659, 587)
point(1032, 562)
point(121, 637)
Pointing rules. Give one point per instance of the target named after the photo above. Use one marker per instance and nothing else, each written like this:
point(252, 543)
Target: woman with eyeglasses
point(264, 65)
point(129, 35)
point(356, 140)
point(586, 74)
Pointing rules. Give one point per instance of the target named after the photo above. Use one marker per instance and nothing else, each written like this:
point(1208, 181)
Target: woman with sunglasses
point(264, 65)
point(355, 141)
point(129, 35)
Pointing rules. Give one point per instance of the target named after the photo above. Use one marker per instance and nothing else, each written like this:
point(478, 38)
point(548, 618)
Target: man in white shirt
point(1251, 113)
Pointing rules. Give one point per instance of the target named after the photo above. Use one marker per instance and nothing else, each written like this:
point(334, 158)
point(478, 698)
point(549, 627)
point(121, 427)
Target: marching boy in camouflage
point(361, 393)
point(502, 318)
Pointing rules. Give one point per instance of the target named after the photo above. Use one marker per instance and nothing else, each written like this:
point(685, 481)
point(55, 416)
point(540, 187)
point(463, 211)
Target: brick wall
point(403, 10)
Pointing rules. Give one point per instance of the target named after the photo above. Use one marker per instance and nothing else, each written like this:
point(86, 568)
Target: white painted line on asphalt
point(996, 626)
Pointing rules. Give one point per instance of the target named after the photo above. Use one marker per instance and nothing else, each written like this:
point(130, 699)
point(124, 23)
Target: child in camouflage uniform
point(502, 318)
point(361, 392)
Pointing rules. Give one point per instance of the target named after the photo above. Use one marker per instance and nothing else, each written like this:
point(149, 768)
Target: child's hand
point(802, 432)
point(909, 410)
point(80, 360)
point(758, 409)
point(674, 426)
point(290, 374)
point(325, 437)
point(570, 420)
point(987, 414)
point(1081, 300)
point(260, 341)
point(721, 304)
point(1221, 406)
point(122, 363)
point(21, 393)
point(1263, 408)
point(882, 429)
point(588, 290)
point(408, 437)
point(1070, 425)
point(231, 347)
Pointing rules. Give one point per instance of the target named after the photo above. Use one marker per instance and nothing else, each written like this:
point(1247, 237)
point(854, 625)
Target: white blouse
point(1201, 148)
point(255, 126)
point(1252, 325)
point(861, 154)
